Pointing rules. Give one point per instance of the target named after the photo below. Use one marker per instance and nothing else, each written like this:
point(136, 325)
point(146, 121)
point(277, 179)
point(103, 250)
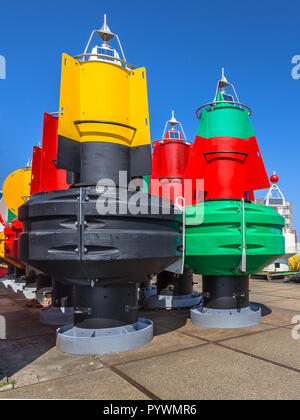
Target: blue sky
point(183, 46)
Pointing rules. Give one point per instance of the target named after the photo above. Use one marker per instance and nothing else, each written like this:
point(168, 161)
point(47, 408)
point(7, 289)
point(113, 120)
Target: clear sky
point(183, 45)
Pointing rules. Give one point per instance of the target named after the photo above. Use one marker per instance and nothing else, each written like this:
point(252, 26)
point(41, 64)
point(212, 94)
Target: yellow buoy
point(2, 240)
point(16, 189)
point(103, 116)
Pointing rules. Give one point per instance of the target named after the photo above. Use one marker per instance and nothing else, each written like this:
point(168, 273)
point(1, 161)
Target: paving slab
point(8, 305)
point(18, 315)
point(34, 312)
point(262, 298)
point(16, 355)
point(37, 360)
point(287, 287)
point(17, 322)
point(266, 289)
point(265, 283)
point(19, 295)
point(12, 329)
point(180, 362)
point(213, 372)
point(180, 322)
point(277, 345)
point(285, 293)
point(171, 319)
point(3, 290)
point(216, 334)
point(167, 341)
point(279, 317)
point(101, 384)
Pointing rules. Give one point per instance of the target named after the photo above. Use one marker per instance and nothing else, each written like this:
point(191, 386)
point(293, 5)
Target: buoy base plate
point(52, 315)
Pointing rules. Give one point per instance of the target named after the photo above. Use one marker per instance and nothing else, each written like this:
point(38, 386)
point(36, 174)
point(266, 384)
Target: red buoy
point(45, 175)
point(11, 242)
point(36, 170)
point(169, 160)
point(16, 227)
point(9, 237)
point(274, 178)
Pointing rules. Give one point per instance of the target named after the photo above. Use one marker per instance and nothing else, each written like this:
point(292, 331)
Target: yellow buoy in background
point(16, 189)
point(294, 263)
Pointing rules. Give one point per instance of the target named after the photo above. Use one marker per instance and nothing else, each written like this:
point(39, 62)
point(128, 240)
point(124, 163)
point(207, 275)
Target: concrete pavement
point(182, 362)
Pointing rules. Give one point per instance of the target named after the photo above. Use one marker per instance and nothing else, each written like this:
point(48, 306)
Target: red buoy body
point(9, 237)
point(169, 158)
point(16, 227)
point(230, 167)
point(11, 242)
point(11, 233)
point(35, 170)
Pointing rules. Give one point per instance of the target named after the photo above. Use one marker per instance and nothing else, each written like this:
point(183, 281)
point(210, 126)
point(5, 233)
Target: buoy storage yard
point(138, 265)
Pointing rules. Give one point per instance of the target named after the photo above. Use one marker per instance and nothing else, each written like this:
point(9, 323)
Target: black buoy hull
point(65, 236)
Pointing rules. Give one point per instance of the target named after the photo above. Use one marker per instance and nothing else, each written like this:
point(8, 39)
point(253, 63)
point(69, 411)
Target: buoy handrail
point(105, 56)
point(223, 102)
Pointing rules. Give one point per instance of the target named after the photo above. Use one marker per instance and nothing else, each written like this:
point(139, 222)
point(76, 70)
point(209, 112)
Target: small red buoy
point(274, 178)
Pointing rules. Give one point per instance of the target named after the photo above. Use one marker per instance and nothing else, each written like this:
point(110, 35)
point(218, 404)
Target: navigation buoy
point(103, 128)
point(228, 237)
